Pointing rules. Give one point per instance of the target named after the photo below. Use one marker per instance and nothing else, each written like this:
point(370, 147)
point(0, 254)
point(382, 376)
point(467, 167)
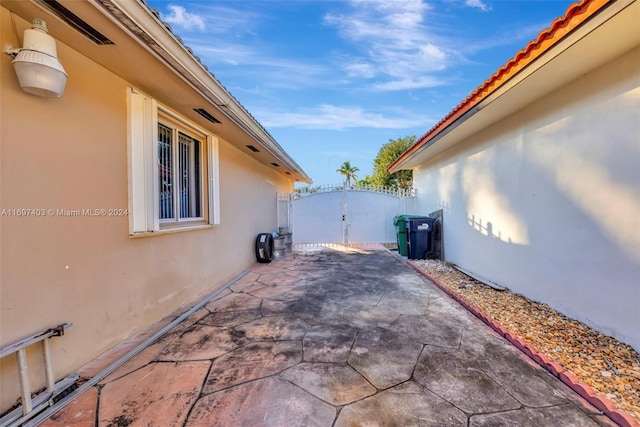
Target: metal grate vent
point(252, 148)
point(204, 113)
point(275, 164)
point(75, 22)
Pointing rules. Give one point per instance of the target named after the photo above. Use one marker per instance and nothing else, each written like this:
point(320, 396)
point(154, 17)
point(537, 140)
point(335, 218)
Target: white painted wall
point(547, 201)
point(318, 218)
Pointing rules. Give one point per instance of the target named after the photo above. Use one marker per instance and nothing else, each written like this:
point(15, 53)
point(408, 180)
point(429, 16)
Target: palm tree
point(349, 172)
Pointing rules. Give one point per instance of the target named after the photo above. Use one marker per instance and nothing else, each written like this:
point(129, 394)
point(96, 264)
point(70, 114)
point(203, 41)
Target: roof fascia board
point(135, 18)
point(552, 53)
point(569, 38)
point(407, 163)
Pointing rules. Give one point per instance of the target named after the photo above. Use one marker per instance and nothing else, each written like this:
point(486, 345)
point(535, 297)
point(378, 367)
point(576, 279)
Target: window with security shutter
point(173, 169)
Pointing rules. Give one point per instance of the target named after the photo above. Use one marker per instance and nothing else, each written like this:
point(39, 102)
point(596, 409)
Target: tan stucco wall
point(547, 201)
point(71, 153)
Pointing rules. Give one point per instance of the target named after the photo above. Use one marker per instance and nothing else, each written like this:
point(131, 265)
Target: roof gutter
point(135, 18)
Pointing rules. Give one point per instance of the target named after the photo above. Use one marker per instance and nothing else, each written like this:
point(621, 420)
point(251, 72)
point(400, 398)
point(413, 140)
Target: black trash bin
point(419, 237)
point(401, 225)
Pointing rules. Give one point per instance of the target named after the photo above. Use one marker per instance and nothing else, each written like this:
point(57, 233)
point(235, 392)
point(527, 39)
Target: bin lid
point(402, 218)
point(423, 223)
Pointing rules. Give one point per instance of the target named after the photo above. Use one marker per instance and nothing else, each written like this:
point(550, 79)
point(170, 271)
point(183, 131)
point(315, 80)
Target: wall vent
point(204, 113)
point(75, 22)
point(252, 148)
point(275, 164)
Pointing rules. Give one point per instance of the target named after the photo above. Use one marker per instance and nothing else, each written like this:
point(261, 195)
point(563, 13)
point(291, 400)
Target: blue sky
point(335, 80)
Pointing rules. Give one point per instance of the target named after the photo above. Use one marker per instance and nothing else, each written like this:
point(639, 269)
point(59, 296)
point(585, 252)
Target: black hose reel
point(264, 248)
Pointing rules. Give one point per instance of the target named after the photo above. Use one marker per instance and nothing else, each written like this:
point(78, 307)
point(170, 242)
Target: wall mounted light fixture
point(36, 64)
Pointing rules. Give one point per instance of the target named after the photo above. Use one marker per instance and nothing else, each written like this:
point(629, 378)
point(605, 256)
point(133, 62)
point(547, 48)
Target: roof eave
point(501, 81)
point(153, 35)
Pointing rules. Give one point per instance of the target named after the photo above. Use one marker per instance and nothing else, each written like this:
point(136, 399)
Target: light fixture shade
point(40, 74)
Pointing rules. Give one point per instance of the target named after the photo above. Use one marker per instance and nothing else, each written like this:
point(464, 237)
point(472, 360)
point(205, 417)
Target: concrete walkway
point(324, 338)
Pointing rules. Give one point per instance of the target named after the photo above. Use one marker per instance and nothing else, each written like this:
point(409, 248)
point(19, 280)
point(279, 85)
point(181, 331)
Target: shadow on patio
point(327, 337)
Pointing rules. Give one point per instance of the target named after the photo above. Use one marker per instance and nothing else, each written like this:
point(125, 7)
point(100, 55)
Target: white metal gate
point(339, 214)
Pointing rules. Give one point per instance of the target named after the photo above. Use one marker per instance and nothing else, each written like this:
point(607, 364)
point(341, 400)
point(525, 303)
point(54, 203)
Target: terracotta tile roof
point(576, 15)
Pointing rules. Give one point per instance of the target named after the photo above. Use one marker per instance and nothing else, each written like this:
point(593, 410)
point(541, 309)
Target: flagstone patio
point(328, 337)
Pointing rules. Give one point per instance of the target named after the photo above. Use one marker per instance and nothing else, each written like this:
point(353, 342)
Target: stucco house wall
point(547, 200)
point(71, 153)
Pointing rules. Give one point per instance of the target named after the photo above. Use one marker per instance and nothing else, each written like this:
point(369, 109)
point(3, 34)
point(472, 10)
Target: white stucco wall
point(547, 201)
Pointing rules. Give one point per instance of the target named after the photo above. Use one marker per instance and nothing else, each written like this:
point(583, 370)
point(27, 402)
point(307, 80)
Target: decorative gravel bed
point(610, 367)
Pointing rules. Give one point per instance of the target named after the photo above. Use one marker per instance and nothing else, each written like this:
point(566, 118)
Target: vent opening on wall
point(287, 173)
point(75, 22)
point(275, 164)
point(207, 115)
point(252, 148)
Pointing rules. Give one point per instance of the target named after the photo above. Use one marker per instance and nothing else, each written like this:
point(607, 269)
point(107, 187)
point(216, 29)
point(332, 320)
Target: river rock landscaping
point(609, 366)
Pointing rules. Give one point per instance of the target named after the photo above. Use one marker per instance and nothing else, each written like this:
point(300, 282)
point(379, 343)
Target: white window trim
point(142, 161)
point(213, 166)
point(179, 126)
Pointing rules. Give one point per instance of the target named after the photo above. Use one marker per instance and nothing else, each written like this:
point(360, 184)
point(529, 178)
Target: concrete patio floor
point(324, 338)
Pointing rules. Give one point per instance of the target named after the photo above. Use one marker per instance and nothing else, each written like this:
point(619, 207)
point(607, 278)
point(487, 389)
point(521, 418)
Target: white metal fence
point(344, 214)
point(308, 191)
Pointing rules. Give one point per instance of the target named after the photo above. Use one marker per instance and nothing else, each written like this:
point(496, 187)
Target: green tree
point(349, 172)
point(365, 182)
point(388, 153)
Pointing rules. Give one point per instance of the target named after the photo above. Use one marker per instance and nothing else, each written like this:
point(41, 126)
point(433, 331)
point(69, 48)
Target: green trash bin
point(399, 221)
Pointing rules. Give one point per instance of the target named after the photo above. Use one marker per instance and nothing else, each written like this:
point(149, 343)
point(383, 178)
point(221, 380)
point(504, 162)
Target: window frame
point(178, 127)
point(144, 117)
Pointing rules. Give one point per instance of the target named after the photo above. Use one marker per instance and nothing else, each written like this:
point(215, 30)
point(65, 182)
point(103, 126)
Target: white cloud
point(338, 118)
point(409, 83)
point(359, 69)
point(180, 17)
point(259, 66)
point(394, 41)
point(229, 21)
point(478, 4)
point(432, 52)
